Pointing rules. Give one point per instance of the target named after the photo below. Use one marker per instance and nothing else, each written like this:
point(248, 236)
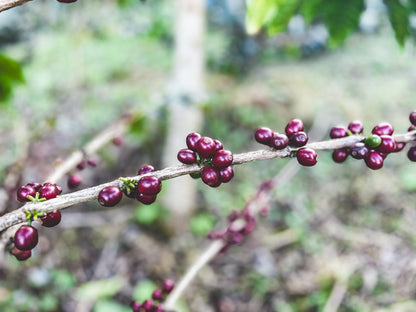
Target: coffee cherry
point(168, 285)
point(49, 191)
point(338, 132)
point(359, 150)
point(146, 169)
point(399, 146)
point(279, 141)
point(383, 128)
point(226, 174)
point(372, 141)
point(158, 308)
point(117, 141)
point(146, 199)
point(293, 126)
point(81, 165)
point(192, 140)
point(206, 147)
point(356, 127)
point(110, 196)
point(263, 135)
point(74, 180)
point(67, 1)
point(374, 160)
point(157, 295)
point(187, 156)
point(306, 156)
point(411, 128)
point(222, 158)
point(298, 139)
point(411, 153)
point(24, 192)
point(21, 255)
point(388, 144)
point(51, 219)
point(218, 144)
point(412, 118)
point(92, 162)
point(149, 185)
point(135, 306)
point(37, 186)
point(210, 176)
point(339, 155)
point(147, 305)
point(26, 237)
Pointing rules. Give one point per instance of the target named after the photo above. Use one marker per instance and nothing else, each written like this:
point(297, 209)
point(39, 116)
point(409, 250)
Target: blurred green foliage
point(11, 73)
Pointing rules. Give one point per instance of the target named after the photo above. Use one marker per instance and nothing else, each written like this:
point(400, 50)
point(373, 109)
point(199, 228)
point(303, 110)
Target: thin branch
point(67, 200)
point(8, 4)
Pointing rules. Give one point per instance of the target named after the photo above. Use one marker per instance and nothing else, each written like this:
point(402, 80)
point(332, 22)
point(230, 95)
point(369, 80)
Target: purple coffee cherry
point(211, 176)
point(192, 140)
point(74, 180)
point(412, 118)
point(279, 141)
point(51, 219)
point(306, 156)
point(206, 147)
point(298, 139)
point(218, 144)
point(226, 174)
point(110, 196)
point(338, 132)
point(24, 192)
point(21, 255)
point(388, 144)
point(149, 185)
point(374, 160)
point(146, 199)
point(359, 150)
point(146, 169)
point(168, 286)
point(356, 127)
point(293, 126)
point(263, 135)
point(411, 153)
point(339, 155)
point(383, 128)
point(157, 295)
point(222, 159)
point(26, 237)
point(187, 156)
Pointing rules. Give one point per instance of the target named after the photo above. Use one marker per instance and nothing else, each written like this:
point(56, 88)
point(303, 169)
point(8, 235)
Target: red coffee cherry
point(338, 132)
point(192, 140)
point(374, 160)
point(279, 141)
point(412, 118)
point(146, 169)
point(146, 199)
point(263, 135)
point(110, 196)
point(306, 157)
point(210, 176)
point(26, 237)
point(187, 156)
point(383, 128)
point(293, 126)
point(222, 158)
point(339, 155)
point(388, 144)
point(21, 255)
point(298, 139)
point(51, 219)
point(226, 174)
point(206, 147)
point(356, 127)
point(411, 153)
point(74, 180)
point(149, 185)
point(24, 192)
point(168, 285)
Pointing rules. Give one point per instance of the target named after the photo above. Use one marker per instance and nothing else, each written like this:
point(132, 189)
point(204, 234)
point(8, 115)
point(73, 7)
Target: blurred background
point(333, 231)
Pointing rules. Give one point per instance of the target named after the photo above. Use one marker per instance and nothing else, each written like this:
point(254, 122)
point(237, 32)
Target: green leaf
point(110, 306)
point(284, 11)
point(259, 13)
point(143, 290)
point(399, 20)
point(202, 224)
point(10, 74)
point(342, 18)
point(94, 290)
point(147, 214)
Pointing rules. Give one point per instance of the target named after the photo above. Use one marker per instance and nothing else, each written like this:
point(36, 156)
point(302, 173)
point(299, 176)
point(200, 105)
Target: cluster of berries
point(211, 154)
point(26, 237)
point(75, 179)
point(373, 149)
point(155, 303)
point(232, 236)
point(144, 190)
point(411, 153)
point(294, 136)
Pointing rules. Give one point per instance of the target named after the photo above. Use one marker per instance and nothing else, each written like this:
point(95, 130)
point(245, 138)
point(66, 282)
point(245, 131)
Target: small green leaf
point(202, 224)
point(94, 290)
point(259, 13)
point(143, 290)
point(110, 306)
point(399, 20)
